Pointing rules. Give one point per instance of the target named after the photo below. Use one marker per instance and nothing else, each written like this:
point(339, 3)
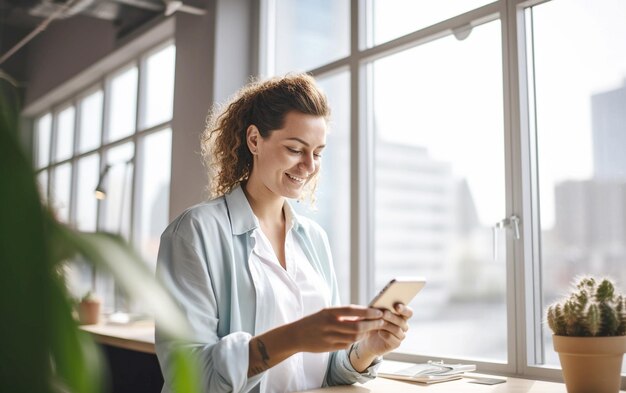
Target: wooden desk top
point(512, 385)
point(137, 336)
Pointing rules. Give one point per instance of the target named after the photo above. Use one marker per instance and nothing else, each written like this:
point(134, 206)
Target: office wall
point(63, 50)
point(214, 58)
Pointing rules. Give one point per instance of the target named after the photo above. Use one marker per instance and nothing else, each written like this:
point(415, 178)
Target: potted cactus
point(589, 330)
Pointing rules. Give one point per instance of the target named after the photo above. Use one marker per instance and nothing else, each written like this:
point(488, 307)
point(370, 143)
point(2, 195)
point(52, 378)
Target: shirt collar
point(291, 218)
point(242, 217)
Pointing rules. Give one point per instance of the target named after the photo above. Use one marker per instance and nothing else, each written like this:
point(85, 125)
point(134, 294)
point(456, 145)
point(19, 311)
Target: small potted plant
point(89, 309)
point(589, 330)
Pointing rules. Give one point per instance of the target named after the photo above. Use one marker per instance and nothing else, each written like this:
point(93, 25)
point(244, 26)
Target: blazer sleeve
point(341, 372)
point(222, 361)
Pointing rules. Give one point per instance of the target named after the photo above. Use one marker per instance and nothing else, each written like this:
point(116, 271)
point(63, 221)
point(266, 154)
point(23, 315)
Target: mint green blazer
point(203, 261)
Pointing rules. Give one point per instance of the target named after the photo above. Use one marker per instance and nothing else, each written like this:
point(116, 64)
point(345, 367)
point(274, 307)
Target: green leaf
point(43, 350)
point(111, 253)
point(25, 282)
point(187, 372)
point(78, 363)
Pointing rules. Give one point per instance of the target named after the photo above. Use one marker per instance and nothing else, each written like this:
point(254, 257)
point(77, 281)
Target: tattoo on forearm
point(257, 370)
point(264, 365)
point(355, 349)
point(263, 351)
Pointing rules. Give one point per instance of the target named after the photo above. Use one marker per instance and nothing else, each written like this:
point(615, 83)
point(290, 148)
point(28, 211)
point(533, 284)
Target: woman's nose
point(308, 162)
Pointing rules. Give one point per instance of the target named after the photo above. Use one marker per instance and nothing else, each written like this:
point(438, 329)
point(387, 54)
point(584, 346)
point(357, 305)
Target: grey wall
point(192, 97)
point(64, 49)
point(213, 59)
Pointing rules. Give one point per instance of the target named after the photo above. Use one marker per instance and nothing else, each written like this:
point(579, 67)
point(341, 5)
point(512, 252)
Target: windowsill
point(136, 336)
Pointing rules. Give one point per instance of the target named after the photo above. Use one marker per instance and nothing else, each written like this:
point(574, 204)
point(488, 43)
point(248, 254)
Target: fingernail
point(379, 313)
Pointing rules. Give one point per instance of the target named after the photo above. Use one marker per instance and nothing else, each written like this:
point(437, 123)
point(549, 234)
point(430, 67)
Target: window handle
point(509, 222)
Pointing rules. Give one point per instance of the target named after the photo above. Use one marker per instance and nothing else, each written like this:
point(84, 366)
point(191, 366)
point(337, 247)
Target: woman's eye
point(317, 155)
point(294, 150)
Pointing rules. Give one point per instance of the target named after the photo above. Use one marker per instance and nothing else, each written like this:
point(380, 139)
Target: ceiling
point(22, 16)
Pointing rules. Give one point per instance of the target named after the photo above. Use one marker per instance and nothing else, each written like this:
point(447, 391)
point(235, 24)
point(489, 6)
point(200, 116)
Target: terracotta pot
point(89, 312)
point(591, 364)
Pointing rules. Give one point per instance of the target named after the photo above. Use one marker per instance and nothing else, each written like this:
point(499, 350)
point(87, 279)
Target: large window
point(439, 189)
point(307, 33)
point(116, 137)
point(579, 98)
point(481, 146)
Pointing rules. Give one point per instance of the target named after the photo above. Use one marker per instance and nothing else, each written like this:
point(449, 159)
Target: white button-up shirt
point(303, 292)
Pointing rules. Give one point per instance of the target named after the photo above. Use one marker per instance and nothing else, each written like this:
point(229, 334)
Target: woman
point(256, 280)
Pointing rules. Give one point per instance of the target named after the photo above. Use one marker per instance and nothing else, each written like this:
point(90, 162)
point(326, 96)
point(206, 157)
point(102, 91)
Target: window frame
point(74, 98)
point(525, 327)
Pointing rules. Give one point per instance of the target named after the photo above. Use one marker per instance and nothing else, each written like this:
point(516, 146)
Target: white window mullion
point(136, 172)
point(518, 277)
point(530, 315)
point(74, 161)
point(360, 229)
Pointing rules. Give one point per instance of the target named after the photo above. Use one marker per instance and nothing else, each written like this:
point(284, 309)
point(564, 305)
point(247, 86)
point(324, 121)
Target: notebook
point(431, 372)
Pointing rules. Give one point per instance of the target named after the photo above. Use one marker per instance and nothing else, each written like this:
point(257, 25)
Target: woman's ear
point(252, 138)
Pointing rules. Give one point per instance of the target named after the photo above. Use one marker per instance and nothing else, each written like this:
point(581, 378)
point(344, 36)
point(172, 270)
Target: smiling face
point(289, 157)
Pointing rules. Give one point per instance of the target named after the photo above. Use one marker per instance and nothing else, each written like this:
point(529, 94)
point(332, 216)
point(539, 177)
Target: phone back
point(398, 291)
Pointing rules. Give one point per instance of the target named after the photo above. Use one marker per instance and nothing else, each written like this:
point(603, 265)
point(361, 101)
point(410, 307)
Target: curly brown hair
point(265, 105)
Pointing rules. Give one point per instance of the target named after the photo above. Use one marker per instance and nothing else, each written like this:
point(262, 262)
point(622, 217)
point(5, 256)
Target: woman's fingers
point(338, 327)
point(393, 329)
point(349, 326)
point(355, 312)
point(359, 327)
point(405, 311)
point(396, 325)
point(396, 319)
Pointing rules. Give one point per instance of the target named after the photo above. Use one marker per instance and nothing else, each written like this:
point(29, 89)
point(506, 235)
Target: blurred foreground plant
point(42, 348)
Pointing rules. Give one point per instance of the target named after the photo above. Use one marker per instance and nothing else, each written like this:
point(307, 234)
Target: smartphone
point(398, 290)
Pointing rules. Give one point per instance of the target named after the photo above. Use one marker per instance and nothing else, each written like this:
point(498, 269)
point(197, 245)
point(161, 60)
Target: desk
point(137, 336)
point(130, 356)
point(512, 385)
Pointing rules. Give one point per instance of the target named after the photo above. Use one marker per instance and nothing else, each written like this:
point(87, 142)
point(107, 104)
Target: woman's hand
point(387, 338)
point(335, 328)
point(328, 330)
